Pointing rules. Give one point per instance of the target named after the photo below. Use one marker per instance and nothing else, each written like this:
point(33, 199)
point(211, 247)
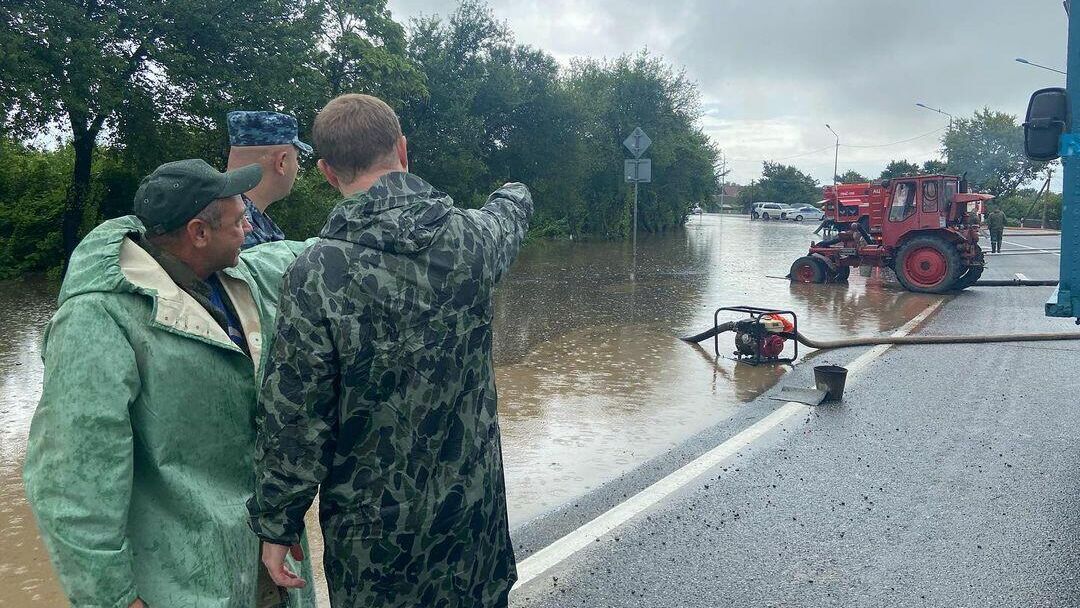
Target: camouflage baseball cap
point(176, 192)
point(264, 129)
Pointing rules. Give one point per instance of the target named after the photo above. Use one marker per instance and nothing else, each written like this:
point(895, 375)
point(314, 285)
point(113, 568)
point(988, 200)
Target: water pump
point(762, 337)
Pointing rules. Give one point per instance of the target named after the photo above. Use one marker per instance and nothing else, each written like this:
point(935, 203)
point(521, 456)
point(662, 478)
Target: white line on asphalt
point(1039, 249)
point(550, 556)
point(1021, 276)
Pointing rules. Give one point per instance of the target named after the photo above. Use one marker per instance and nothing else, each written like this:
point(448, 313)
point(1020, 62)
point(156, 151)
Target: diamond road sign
point(638, 170)
point(638, 142)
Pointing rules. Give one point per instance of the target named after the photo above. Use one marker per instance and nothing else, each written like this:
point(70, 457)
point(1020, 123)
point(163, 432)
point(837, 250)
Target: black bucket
point(831, 379)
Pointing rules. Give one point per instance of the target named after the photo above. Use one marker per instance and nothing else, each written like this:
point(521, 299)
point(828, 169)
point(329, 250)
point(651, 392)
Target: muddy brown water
point(592, 379)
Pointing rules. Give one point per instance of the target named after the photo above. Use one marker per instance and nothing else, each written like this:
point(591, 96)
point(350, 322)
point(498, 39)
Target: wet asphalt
point(948, 476)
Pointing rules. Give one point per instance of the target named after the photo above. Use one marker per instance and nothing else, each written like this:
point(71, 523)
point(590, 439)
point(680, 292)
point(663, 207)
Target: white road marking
point(1039, 249)
point(543, 560)
point(1021, 276)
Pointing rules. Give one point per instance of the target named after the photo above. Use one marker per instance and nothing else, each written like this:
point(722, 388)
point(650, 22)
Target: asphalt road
point(1036, 256)
point(947, 477)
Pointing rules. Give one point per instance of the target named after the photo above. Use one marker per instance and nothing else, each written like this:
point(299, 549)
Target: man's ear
point(328, 173)
point(403, 152)
point(281, 160)
point(198, 233)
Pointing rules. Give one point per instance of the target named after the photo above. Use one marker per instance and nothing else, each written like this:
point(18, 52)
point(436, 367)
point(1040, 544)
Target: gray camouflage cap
point(264, 129)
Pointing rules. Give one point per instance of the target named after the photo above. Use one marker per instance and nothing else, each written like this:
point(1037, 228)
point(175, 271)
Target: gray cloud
point(772, 73)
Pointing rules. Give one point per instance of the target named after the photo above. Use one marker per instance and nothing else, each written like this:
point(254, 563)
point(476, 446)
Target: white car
point(805, 212)
point(770, 211)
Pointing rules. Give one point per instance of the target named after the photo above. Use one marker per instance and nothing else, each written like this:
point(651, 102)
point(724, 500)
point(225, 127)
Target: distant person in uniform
point(995, 221)
point(270, 140)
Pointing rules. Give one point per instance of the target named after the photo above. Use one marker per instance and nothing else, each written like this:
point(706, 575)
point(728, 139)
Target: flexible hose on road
point(1015, 283)
point(876, 340)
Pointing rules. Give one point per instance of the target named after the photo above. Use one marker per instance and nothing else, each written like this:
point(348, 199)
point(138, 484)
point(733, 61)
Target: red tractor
point(925, 228)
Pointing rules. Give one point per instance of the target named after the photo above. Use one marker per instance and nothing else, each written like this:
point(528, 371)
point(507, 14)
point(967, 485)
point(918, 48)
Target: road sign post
point(637, 170)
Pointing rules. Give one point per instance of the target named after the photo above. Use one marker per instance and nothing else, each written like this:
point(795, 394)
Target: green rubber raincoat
point(140, 455)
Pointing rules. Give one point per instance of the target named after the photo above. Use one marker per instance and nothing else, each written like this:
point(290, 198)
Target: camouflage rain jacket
point(140, 455)
point(380, 388)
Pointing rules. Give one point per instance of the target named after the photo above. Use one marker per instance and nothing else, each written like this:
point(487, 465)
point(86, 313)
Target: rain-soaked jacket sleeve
point(297, 420)
point(79, 461)
point(504, 219)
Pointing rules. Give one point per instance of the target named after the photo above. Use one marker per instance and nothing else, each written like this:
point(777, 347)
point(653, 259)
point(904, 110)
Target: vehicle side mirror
point(1047, 119)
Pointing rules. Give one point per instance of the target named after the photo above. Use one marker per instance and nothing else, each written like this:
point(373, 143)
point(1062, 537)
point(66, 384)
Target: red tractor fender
point(950, 235)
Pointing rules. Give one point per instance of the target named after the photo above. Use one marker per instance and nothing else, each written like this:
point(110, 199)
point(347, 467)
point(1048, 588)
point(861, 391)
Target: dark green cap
point(176, 192)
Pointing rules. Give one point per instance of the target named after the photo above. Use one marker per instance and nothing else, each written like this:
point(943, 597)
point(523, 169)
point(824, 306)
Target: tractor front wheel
point(841, 275)
point(928, 264)
point(807, 270)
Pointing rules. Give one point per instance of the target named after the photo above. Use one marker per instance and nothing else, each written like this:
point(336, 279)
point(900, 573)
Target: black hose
point(974, 339)
point(705, 335)
point(1015, 283)
point(877, 340)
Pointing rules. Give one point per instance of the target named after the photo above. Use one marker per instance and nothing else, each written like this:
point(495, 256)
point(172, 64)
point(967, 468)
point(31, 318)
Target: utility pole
point(836, 162)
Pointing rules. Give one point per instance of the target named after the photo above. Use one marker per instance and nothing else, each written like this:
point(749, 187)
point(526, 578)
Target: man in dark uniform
point(995, 221)
point(270, 140)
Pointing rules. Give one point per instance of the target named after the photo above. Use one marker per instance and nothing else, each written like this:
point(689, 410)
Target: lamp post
point(1026, 62)
point(836, 157)
point(943, 112)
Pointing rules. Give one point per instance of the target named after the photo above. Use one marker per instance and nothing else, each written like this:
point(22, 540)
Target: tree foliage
point(989, 147)
point(899, 168)
point(852, 177)
point(781, 184)
point(145, 83)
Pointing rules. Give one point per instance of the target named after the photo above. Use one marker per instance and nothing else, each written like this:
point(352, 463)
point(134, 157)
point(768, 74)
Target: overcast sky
point(772, 73)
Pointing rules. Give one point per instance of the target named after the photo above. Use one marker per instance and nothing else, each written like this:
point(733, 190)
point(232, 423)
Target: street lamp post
point(943, 112)
point(1026, 62)
point(836, 159)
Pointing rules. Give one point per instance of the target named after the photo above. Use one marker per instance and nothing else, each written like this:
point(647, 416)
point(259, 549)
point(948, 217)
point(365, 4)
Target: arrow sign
point(637, 143)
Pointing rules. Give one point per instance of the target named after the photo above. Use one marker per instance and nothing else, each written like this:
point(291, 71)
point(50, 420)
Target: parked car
point(806, 212)
point(770, 211)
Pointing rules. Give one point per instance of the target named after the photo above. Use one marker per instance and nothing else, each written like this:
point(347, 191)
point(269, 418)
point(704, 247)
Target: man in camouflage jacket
point(380, 386)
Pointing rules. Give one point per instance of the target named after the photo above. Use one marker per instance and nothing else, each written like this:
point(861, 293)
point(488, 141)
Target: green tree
point(852, 177)
point(364, 50)
point(935, 166)
point(899, 168)
point(95, 66)
point(989, 148)
point(780, 184)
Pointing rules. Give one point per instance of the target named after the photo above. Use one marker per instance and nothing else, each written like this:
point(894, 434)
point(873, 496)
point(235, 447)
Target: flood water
point(592, 379)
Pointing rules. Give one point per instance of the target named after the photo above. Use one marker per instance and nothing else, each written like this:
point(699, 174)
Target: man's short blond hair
point(354, 133)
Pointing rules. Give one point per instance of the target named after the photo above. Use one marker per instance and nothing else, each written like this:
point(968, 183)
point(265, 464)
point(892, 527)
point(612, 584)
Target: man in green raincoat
point(140, 454)
point(380, 384)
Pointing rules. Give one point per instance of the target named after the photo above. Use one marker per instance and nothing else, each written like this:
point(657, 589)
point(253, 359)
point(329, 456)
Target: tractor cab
point(927, 203)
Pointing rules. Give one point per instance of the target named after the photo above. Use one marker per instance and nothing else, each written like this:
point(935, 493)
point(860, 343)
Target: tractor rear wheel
point(971, 274)
point(928, 264)
point(841, 275)
point(807, 270)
